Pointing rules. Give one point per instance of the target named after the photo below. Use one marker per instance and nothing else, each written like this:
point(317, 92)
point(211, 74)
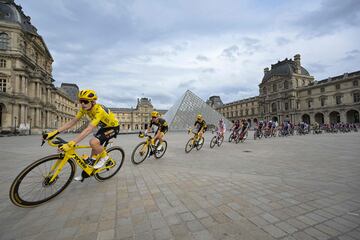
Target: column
point(343, 116)
point(326, 117)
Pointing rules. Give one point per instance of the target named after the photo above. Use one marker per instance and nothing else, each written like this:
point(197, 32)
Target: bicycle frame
point(71, 154)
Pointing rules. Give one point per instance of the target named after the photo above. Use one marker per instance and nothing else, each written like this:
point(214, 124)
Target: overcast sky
point(125, 49)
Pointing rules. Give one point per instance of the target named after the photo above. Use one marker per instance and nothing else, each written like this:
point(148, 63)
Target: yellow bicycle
point(194, 142)
point(146, 149)
point(47, 177)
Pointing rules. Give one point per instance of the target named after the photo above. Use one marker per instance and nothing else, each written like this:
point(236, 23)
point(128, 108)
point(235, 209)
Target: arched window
point(4, 41)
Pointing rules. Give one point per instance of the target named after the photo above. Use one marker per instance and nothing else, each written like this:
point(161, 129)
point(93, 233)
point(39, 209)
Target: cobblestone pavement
point(301, 187)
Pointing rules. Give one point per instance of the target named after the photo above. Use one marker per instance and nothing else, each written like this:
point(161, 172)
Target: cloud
point(332, 16)
point(231, 53)
point(124, 49)
point(317, 68)
point(351, 55)
point(282, 41)
point(202, 58)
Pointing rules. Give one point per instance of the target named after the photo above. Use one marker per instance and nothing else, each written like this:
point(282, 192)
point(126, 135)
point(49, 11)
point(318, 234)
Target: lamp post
point(30, 126)
point(15, 118)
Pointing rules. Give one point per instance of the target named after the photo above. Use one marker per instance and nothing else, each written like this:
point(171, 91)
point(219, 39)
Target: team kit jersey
point(200, 124)
point(162, 125)
point(100, 116)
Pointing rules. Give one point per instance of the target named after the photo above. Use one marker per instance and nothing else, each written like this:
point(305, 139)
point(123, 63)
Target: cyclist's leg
point(103, 135)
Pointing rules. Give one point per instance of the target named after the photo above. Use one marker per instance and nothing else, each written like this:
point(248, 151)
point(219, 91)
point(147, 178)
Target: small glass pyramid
point(182, 114)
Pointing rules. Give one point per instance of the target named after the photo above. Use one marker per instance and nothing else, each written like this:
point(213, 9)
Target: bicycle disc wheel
point(189, 146)
point(213, 142)
point(220, 141)
point(116, 158)
point(32, 188)
point(199, 146)
point(140, 153)
point(159, 153)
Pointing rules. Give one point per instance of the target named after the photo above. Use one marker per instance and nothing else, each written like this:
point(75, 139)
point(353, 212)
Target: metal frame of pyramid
point(183, 113)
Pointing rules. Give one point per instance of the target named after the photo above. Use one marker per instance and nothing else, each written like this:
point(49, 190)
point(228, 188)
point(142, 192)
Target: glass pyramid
point(182, 114)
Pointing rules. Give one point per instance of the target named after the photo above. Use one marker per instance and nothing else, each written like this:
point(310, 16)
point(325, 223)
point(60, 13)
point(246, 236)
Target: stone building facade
point(28, 98)
point(288, 91)
point(133, 119)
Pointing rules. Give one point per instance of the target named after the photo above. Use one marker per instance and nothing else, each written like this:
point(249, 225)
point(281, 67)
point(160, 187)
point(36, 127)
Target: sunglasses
point(84, 101)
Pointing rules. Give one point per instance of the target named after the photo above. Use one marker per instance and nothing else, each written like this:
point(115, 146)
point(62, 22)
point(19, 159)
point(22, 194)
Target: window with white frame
point(4, 41)
point(2, 85)
point(2, 63)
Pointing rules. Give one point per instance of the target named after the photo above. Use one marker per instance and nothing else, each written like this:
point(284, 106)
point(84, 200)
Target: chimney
point(266, 70)
point(297, 63)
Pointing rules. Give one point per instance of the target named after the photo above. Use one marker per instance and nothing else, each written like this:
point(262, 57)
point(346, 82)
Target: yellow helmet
point(154, 114)
point(88, 95)
point(199, 117)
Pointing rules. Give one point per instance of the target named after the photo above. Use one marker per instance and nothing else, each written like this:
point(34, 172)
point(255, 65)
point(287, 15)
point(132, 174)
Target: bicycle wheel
point(32, 188)
point(140, 153)
point(220, 141)
point(231, 137)
point(200, 144)
point(213, 142)
point(116, 158)
point(238, 138)
point(159, 152)
point(189, 145)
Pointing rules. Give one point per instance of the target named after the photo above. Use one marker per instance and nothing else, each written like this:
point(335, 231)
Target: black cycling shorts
point(162, 129)
point(105, 134)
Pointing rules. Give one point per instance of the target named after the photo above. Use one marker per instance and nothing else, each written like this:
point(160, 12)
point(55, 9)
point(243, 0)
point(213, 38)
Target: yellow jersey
point(99, 116)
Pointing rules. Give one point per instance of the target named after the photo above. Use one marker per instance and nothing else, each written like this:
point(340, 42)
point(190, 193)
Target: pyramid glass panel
point(183, 113)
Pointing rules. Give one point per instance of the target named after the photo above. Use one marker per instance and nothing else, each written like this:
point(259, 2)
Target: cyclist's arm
point(84, 133)
point(68, 125)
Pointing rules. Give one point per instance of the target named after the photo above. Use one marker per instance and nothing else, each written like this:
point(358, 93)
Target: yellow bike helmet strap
point(88, 95)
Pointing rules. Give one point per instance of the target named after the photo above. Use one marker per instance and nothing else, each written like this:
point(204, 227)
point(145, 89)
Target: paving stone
point(316, 233)
point(106, 235)
point(274, 231)
point(182, 196)
point(270, 218)
point(286, 227)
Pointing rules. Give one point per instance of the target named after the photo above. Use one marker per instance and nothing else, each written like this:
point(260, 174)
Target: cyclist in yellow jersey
point(100, 117)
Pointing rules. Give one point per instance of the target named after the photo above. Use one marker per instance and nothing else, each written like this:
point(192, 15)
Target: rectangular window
point(246, 112)
point(322, 100)
point(309, 103)
point(2, 85)
point(286, 106)
point(338, 100)
point(274, 87)
point(355, 83)
point(2, 63)
point(356, 97)
point(252, 111)
point(322, 89)
point(337, 86)
point(309, 92)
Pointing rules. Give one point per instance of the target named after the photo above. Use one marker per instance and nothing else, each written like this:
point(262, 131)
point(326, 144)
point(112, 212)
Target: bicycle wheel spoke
point(32, 186)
